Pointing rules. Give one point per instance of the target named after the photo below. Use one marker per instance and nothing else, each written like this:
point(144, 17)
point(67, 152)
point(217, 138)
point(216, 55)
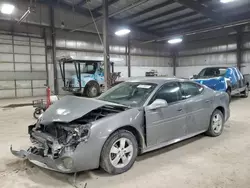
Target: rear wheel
point(92, 89)
point(246, 92)
point(216, 124)
point(119, 152)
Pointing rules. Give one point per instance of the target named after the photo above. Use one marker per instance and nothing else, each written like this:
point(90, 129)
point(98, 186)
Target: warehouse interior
point(211, 33)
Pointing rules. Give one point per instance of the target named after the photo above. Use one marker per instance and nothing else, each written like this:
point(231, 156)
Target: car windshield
point(212, 72)
point(132, 94)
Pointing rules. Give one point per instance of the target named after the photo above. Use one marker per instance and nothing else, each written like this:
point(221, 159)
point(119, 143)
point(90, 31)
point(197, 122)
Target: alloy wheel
point(217, 123)
point(121, 153)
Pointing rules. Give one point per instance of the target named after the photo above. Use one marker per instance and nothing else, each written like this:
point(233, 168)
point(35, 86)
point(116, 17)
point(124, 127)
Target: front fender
point(100, 132)
point(88, 79)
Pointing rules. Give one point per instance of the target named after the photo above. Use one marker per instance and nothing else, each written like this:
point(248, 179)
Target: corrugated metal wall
point(214, 52)
point(22, 66)
point(246, 55)
point(143, 57)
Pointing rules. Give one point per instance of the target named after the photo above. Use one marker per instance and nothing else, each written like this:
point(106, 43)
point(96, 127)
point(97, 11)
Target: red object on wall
point(48, 102)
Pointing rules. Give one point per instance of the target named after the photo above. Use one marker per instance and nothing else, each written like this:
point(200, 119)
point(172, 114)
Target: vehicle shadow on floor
point(83, 177)
point(169, 148)
point(145, 156)
point(235, 98)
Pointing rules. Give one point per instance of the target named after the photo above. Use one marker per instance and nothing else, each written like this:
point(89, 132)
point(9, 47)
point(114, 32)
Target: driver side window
point(169, 92)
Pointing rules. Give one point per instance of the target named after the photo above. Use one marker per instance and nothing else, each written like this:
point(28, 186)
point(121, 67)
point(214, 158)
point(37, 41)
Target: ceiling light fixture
point(175, 40)
point(7, 8)
point(226, 1)
point(122, 32)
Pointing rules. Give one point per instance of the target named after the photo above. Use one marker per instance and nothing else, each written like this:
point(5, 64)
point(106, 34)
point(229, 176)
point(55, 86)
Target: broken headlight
point(82, 132)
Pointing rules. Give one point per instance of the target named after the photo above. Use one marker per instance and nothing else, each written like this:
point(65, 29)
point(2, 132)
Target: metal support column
point(46, 56)
point(174, 64)
point(53, 49)
point(106, 45)
point(129, 57)
point(239, 48)
point(174, 56)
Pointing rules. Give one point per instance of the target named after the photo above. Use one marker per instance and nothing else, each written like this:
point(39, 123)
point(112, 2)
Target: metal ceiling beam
point(148, 10)
point(206, 11)
point(119, 22)
point(132, 5)
point(160, 15)
point(66, 6)
point(172, 19)
point(188, 28)
point(204, 30)
point(97, 9)
point(180, 23)
point(98, 15)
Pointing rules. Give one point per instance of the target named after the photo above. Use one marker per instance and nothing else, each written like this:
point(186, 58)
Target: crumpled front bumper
point(44, 162)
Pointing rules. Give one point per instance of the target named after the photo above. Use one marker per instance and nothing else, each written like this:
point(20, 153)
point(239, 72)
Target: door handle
point(179, 110)
point(207, 101)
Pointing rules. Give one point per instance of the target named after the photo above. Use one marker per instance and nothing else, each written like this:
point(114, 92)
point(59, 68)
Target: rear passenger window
point(190, 89)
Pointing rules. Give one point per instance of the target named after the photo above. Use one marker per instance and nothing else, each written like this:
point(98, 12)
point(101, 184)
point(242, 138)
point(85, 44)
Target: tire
point(92, 89)
point(214, 130)
point(37, 113)
point(246, 92)
point(108, 159)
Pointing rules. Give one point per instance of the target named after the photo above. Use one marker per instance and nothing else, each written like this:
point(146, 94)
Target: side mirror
point(195, 76)
point(158, 103)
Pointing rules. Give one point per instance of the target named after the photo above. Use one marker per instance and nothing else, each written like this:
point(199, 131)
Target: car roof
point(155, 80)
point(217, 67)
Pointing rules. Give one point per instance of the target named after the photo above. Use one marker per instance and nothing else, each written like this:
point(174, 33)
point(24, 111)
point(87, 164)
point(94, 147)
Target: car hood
point(70, 108)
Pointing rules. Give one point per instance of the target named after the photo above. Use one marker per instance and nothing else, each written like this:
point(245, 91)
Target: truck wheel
point(246, 92)
point(119, 152)
point(92, 89)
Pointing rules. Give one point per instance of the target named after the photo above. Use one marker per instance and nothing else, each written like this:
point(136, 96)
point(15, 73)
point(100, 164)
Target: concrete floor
point(200, 162)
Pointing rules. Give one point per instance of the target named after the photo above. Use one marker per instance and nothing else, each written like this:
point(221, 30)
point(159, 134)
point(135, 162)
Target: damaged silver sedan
point(134, 117)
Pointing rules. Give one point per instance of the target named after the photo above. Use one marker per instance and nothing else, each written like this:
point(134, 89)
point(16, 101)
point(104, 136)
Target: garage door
point(22, 66)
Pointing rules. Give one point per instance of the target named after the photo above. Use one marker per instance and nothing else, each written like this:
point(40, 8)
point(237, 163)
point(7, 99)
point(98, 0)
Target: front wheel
point(119, 152)
point(92, 89)
point(216, 124)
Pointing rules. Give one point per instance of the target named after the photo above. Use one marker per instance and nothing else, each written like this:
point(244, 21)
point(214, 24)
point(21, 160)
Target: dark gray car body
point(152, 128)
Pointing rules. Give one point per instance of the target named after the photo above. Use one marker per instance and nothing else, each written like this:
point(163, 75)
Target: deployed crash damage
point(59, 131)
point(76, 134)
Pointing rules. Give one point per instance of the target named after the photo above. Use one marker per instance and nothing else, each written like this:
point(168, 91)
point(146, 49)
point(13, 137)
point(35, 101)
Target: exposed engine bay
point(55, 139)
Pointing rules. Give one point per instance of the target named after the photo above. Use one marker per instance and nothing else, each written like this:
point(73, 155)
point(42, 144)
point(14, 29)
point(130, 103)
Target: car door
point(197, 107)
point(168, 123)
